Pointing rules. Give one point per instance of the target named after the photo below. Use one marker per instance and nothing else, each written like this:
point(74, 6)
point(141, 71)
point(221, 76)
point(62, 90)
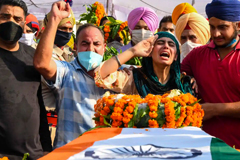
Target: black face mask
point(62, 38)
point(10, 32)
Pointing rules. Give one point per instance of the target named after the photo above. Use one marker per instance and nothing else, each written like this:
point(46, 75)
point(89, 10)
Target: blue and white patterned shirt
point(76, 94)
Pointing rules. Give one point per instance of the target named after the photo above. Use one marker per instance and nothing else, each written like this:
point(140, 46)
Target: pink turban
point(146, 14)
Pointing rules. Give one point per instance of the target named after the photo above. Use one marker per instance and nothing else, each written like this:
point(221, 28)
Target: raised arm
point(142, 49)
point(42, 59)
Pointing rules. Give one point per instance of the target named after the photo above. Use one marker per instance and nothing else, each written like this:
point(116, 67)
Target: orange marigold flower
point(106, 109)
point(185, 97)
point(130, 109)
point(110, 102)
point(116, 116)
point(101, 119)
point(103, 112)
point(153, 114)
point(116, 123)
point(153, 108)
point(165, 100)
point(132, 104)
point(118, 110)
point(126, 120)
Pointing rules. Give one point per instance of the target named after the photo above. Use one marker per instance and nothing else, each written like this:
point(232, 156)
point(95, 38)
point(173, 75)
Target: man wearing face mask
point(216, 68)
point(192, 30)
point(73, 82)
point(63, 35)
point(23, 122)
point(31, 30)
point(142, 23)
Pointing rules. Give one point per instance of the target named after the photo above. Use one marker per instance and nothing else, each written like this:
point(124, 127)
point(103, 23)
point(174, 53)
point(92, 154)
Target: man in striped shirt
point(73, 82)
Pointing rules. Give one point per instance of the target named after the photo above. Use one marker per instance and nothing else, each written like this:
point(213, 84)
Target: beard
point(235, 34)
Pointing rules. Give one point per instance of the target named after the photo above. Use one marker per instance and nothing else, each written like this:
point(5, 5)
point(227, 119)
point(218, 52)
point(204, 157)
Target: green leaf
point(25, 156)
point(177, 112)
point(96, 119)
point(135, 112)
point(111, 108)
point(131, 123)
point(161, 116)
point(133, 120)
point(114, 51)
point(112, 20)
point(106, 123)
point(115, 30)
point(194, 103)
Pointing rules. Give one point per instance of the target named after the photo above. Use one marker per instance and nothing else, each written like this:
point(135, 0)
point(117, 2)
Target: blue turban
point(228, 10)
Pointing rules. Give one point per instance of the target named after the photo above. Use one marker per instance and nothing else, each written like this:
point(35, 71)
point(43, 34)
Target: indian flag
point(152, 143)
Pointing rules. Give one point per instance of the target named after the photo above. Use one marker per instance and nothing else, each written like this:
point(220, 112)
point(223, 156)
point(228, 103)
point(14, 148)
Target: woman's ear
point(175, 59)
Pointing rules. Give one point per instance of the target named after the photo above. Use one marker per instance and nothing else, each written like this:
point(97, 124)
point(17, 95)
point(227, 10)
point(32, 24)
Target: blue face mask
point(231, 43)
point(62, 38)
point(89, 60)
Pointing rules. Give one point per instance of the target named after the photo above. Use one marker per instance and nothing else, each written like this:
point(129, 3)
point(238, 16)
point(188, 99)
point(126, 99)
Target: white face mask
point(140, 34)
point(186, 48)
point(27, 38)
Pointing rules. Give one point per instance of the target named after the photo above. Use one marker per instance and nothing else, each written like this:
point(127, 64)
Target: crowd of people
point(40, 73)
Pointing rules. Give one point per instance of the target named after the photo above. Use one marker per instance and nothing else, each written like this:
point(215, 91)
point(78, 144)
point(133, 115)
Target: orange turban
point(182, 8)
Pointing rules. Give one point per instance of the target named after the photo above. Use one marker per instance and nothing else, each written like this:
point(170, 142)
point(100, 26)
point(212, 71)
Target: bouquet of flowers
point(111, 30)
point(95, 13)
point(171, 110)
point(115, 28)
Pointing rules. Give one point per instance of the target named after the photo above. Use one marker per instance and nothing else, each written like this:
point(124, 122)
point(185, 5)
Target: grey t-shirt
point(20, 106)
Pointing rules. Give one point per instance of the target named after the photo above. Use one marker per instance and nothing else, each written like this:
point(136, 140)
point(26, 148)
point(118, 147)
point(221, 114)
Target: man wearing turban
point(192, 30)
point(63, 35)
point(142, 23)
point(31, 30)
point(216, 68)
point(181, 9)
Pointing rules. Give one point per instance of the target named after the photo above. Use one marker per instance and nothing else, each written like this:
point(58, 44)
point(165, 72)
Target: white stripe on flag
point(185, 143)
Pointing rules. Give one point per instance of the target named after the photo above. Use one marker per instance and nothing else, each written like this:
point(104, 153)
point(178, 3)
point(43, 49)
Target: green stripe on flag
point(221, 151)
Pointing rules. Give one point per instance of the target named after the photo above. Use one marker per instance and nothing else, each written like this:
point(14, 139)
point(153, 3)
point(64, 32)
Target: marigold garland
point(114, 27)
point(95, 13)
point(153, 111)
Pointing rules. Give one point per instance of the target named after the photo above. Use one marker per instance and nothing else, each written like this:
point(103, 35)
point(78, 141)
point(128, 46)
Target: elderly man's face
point(91, 39)
point(222, 32)
point(189, 35)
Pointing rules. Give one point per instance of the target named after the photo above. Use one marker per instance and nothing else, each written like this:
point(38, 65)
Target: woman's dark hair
point(105, 18)
point(18, 3)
